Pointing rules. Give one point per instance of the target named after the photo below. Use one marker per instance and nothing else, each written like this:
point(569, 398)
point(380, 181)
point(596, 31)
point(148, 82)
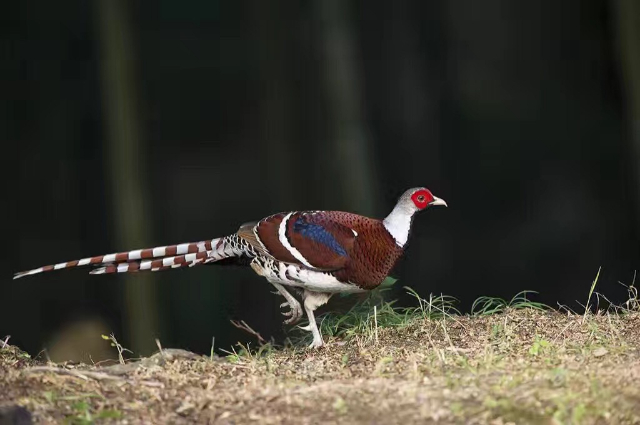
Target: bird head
point(418, 199)
point(398, 222)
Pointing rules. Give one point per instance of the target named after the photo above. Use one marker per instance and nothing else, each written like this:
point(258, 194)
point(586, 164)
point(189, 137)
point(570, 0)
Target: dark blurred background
point(131, 124)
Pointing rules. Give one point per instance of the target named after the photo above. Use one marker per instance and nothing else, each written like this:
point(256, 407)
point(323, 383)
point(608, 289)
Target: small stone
point(599, 352)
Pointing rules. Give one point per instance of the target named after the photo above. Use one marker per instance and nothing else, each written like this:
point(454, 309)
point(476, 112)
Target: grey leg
point(313, 300)
point(295, 309)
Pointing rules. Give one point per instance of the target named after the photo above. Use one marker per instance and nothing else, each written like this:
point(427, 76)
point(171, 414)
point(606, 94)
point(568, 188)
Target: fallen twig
point(243, 326)
point(82, 374)
point(88, 374)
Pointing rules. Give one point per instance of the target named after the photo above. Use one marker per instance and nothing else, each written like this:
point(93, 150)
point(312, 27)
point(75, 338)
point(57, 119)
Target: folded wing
point(310, 239)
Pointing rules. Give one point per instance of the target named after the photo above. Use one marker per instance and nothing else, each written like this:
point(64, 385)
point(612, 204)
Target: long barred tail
point(155, 265)
point(166, 257)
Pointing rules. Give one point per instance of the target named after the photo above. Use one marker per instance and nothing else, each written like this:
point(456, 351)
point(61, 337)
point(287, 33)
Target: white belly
point(292, 275)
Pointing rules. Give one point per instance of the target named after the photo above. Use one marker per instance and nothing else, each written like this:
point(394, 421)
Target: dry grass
point(519, 365)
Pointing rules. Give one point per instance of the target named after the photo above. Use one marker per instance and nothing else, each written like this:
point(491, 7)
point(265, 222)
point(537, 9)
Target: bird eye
point(420, 198)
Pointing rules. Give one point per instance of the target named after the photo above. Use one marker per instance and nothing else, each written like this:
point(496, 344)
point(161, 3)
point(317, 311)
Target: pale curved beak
point(438, 201)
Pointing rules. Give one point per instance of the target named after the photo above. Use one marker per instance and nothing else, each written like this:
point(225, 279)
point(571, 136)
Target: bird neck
point(398, 224)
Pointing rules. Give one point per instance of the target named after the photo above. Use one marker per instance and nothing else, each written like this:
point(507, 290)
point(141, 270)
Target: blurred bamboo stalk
point(125, 164)
point(277, 102)
point(628, 16)
point(354, 157)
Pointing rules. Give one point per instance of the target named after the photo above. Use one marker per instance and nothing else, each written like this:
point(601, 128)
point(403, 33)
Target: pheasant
point(317, 253)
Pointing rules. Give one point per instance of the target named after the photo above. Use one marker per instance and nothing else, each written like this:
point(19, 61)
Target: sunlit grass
point(360, 320)
point(375, 311)
point(492, 305)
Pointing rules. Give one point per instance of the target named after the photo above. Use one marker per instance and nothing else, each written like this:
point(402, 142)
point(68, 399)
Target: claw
point(306, 328)
point(294, 313)
point(295, 309)
point(291, 320)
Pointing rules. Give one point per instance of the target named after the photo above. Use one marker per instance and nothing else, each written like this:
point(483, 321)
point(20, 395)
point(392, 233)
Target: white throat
point(398, 223)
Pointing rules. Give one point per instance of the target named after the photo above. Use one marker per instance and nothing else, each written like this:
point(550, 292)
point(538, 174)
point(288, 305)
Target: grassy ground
point(504, 364)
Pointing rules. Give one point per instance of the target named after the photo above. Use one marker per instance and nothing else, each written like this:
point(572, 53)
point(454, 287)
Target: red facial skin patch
point(422, 198)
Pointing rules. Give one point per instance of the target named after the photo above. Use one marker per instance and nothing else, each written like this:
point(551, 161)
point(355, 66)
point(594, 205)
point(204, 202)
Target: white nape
point(398, 222)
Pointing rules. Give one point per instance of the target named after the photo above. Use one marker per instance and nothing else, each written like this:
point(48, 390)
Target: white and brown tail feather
point(158, 258)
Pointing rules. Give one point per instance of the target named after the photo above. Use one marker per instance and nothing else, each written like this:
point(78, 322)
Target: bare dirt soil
point(520, 366)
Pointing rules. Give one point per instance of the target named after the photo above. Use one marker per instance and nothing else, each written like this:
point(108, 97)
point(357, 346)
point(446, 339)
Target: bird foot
point(295, 312)
point(317, 343)
point(317, 338)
